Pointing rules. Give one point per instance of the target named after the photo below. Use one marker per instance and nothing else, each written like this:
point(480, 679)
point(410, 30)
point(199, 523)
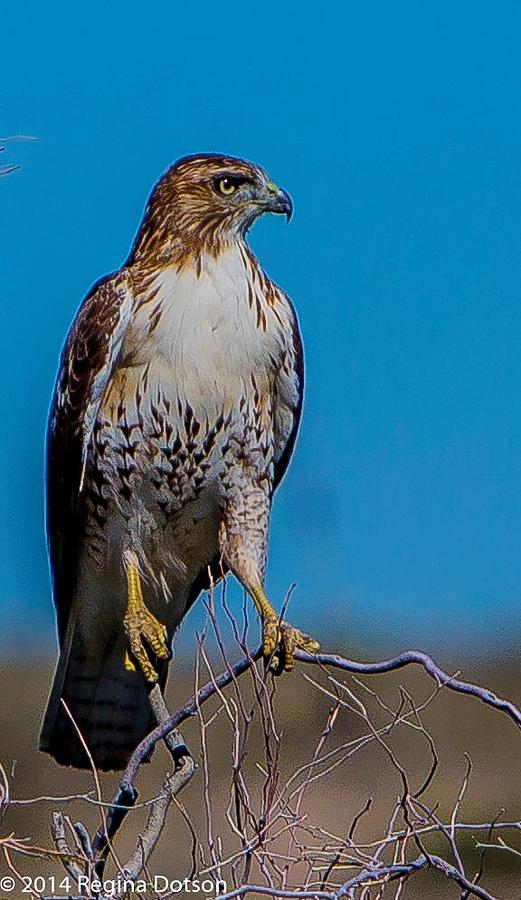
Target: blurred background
point(397, 130)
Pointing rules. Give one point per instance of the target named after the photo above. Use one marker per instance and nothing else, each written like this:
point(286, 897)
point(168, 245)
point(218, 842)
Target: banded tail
point(109, 704)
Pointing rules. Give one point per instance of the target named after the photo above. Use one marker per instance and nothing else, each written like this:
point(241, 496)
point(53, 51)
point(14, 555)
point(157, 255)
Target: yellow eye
point(227, 186)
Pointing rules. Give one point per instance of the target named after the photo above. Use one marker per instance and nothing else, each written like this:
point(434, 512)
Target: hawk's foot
point(142, 626)
point(279, 642)
point(279, 638)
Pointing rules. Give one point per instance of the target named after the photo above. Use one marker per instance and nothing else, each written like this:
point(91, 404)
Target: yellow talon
point(129, 665)
point(279, 638)
point(140, 626)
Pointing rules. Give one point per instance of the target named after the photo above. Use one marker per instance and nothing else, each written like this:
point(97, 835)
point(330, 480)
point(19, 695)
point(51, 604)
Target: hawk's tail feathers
point(108, 703)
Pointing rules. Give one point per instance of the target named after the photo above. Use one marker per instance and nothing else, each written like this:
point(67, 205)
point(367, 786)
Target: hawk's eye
point(227, 184)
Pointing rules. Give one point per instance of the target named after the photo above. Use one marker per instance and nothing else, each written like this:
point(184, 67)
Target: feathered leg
point(243, 539)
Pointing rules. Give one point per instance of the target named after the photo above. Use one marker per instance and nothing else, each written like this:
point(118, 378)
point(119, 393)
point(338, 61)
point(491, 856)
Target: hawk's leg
point(141, 626)
point(243, 546)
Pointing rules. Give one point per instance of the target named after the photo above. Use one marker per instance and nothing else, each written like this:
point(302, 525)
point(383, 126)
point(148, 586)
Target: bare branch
point(391, 873)
point(8, 169)
point(274, 839)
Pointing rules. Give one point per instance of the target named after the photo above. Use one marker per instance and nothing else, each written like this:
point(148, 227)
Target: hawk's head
point(207, 200)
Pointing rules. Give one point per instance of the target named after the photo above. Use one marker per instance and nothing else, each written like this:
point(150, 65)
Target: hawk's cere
point(174, 417)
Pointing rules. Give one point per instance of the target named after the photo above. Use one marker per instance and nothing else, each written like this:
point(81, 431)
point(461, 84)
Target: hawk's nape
point(174, 417)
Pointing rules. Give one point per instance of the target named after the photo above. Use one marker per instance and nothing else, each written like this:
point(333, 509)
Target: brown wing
point(90, 352)
point(295, 373)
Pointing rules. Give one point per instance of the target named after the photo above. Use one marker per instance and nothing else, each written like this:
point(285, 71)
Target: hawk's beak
point(278, 201)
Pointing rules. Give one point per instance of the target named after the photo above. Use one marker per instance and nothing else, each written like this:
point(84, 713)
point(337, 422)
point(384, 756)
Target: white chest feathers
point(201, 329)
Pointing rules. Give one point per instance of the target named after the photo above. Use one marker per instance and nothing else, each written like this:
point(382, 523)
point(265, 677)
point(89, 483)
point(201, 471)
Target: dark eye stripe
point(231, 179)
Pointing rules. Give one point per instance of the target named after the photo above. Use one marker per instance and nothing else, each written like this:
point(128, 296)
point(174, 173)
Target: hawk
point(174, 416)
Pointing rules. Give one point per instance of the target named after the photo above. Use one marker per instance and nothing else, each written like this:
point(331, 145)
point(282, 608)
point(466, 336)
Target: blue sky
point(397, 130)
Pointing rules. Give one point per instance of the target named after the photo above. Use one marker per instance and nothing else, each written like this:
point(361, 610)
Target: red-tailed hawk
point(174, 417)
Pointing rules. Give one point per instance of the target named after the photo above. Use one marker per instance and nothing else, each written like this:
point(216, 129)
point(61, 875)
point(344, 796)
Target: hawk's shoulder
point(92, 342)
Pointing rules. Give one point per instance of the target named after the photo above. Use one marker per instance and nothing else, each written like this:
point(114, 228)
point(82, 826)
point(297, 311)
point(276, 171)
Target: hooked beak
point(278, 201)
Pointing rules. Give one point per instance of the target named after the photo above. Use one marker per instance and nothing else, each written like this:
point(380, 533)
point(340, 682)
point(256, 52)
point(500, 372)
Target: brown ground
point(457, 723)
